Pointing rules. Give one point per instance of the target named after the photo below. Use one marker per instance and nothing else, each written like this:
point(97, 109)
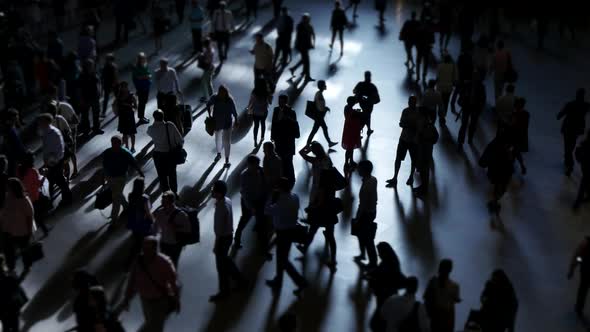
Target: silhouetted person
point(445, 23)
point(260, 100)
point(407, 141)
point(165, 138)
point(426, 137)
point(142, 80)
point(498, 158)
point(364, 224)
point(465, 69)
point(573, 125)
point(499, 304)
point(338, 22)
point(225, 117)
point(253, 194)
point(381, 6)
point(409, 36)
point(89, 87)
point(472, 101)
point(123, 11)
point(368, 96)
point(351, 133)
point(446, 78)
point(11, 301)
point(284, 35)
point(404, 311)
point(432, 100)
point(519, 131)
point(284, 132)
point(304, 42)
point(321, 112)
point(440, 297)
point(222, 22)
point(197, 20)
point(424, 42)
point(354, 4)
point(583, 157)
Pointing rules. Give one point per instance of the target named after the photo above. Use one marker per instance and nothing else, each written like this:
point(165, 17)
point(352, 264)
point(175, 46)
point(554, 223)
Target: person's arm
point(574, 261)
point(177, 137)
point(312, 37)
point(147, 208)
point(134, 163)
point(210, 103)
point(304, 153)
point(234, 112)
point(250, 102)
point(176, 85)
point(563, 112)
point(295, 125)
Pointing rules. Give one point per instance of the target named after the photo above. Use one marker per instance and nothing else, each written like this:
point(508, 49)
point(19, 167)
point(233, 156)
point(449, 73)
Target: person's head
point(3, 164)
point(519, 104)
point(581, 94)
point(222, 5)
point(158, 115)
point(109, 58)
point(253, 162)
point(365, 168)
point(164, 63)
point(149, 247)
point(500, 277)
point(387, 254)
point(138, 186)
point(284, 11)
point(337, 4)
point(283, 100)
point(500, 44)
point(431, 84)
point(82, 280)
point(412, 101)
point(141, 59)
point(322, 85)
point(12, 117)
point(317, 149)
point(43, 123)
point(268, 148)
point(368, 76)
point(306, 18)
point(123, 88)
point(88, 66)
point(168, 199)
point(116, 142)
point(259, 38)
point(285, 185)
point(219, 189)
point(351, 100)
point(14, 188)
point(411, 285)
point(222, 91)
point(510, 89)
point(445, 267)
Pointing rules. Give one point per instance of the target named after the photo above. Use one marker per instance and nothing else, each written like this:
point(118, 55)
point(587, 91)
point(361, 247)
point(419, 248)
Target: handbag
point(210, 125)
point(172, 302)
point(104, 198)
point(311, 111)
point(177, 153)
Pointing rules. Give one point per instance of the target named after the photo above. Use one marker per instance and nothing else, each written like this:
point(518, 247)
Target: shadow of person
point(188, 192)
point(360, 297)
point(243, 128)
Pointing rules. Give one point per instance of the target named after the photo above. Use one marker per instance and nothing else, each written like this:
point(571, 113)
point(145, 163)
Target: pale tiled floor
point(534, 245)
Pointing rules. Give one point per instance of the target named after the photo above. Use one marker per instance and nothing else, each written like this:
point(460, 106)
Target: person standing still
point(89, 93)
point(125, 106)
point(407, 141)
point(446, 78)
point(170, 221)
point(165, 137)
point(284, 132)
point(365, 224)
point(263, 56)
point(224, 113)
point(197, 20)
point(142, 80)
point(304, 42)
point(222, 22)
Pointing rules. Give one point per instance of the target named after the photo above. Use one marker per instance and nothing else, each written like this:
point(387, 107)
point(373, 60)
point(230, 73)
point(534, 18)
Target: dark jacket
point(574, 114)
point(339, 20)
point(284, 131)
point(89, 86)
point(303, 39)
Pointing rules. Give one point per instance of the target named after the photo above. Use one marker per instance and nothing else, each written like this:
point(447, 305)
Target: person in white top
point(404, 312)
point(446, 78)
point(165, 137)
point(53, 155)
point(223, 25)
point(321, 110)
point(168, 91)
point(223, 227)
point(67, 134)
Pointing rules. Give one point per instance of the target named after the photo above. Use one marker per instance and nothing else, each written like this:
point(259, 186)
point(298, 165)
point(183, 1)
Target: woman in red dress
point(351, 134)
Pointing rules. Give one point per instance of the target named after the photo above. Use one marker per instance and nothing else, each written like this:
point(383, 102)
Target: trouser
point(367, 241)
point(93, 105)
point(155, 313)
point(247, 214)
point(166, 169)
point(317, 124)
point(197, 35)
point(340, 33)
point(117, 184)
point(10, 321)
point(304, 61)
point(367, 112)
point(422, 60)
point(11, 245)
point(283, 263)
point(105, 99)
point(55, 176)
point(223, 141)
point(180, 5)
point(425, 165)
point(283, 48)
point(582, 292)
point(409, 57)
point(172, 250)
point(222, 39)
point(569, 145)
point(226, 268)
point(142, 99)
point(446, 97)
point(39, 216)
point(468, 120)
point(287, 166)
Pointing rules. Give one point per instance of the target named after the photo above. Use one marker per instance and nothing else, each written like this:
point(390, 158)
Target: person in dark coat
point(123, 11)
point(284, 35)
point(368, 96)
point(408, 35)
point(88, 85)
point(304, 42)
point(573, 125)
point(465, 69)
point(498, 158)
point(499, 304)
point(445, 23)
point(426, 138)
point(472, 101)
point(338, 23)
point(424, 42)
point(284, 132)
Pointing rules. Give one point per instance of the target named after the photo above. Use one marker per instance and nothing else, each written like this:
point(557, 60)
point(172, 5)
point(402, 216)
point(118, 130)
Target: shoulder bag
point(177, 153)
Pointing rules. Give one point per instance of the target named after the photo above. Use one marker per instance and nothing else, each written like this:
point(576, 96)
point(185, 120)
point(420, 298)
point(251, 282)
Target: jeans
point(223, 141)
point(117, 184)
point(155, 313)
point(226, 268)
point(166, 169)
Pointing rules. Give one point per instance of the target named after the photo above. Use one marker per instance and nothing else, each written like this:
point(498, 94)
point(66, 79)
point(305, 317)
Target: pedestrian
point(222, 23)
point(225, 116)
point(223, 227)
point(197, 20)
point(3, 179)
point(505, 107)
point(165, 137)
point(426, 137)
point(367, 96)
point(253, 195)
point(125, 107)
point(142, 80)
point(123, 12)
point(284, 132)
point(440, 297)
point(446, 79)
point(68, 136)
point(160, 24)
point(32, 183)
point(320, 114)
point(277, 5)
point(13, 300)
point(140, 220)
point(109, 80)
point(116, 162)
point(481, 56)
point(251, 9)
point(180, 6)
point(283, 207)
point(520, 131)
point(171, 222)
point(473, 102)
point(206, 63)
point(87, 48)
point(154, 278)
point(573, 125)
point(407, 141)
point(55, 48)
point(381, 6)
point(498, 158)
point(351, 133)
point(499, 304)
point(284, 35)
point(272, 167)
point(89, 92)
point(583, 157)
point(433, 102)
point(304, 42)
point(53, 156)
point(320, 163)
point(445, 24)
point(263, 56)
point(424, 42)
point(168, 93)
point(364, 226)
point(501, 62)
point(404, 312)
point(260, 99)
point(338, 22)
point(66, 110)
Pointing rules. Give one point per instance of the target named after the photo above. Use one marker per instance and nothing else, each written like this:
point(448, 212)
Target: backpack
point(411, 322)
point(194, 236)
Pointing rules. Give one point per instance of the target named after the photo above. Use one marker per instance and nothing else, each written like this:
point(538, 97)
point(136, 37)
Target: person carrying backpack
point(403, 313)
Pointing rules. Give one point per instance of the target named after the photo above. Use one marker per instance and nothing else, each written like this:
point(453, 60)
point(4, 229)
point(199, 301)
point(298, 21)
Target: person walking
point(505, 107)
point(473, 103)
point(426, 137)
point(272, 167)
point(445, 24)
point(499, 304)
point(32, 183)
point(165, 137)
point(573, 125)
point(351, 133)
point(283, 207)
point(440, 297)
point(321, 112)
point(140, 220)
point(197, 20)
point(125, 108)
point(225, 116)
point(407, 141)
point(320, 162)
point(498, 158)
point(252, 190)
point(338, 22)
point(109, 81)
point(168, 92)
point(583, 157)
point(424, 42)
point(446, 79)
point(17, 224)
point(223, 227)
point(433, 102)
point(68, 136)
point(251, 9)
point(263, 56)
point(206, 63)
point(142, 80)
point(520, 131)
point(171, 222)
point(13, 299)
point(367, 96)
point(409, 36)
point(116, 162)
point(304, 42)
point(284, 35)
point(89, 92)
point(222, 23)
point(154, 278)
point(404, 312)
point(364, 226)
point(260, 99)
point(160, 24)
point(465, 68)
point(284, 132)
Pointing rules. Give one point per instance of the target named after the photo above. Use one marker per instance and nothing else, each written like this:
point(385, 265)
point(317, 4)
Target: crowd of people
point(66, 88)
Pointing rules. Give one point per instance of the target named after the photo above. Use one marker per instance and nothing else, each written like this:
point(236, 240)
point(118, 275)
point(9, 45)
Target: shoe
point(331, 46)
point(300, 289)
point(331, 144)
point(217, 157)
point(359, 258)
point(144, 121)
point(273, 284)
point(132, 150)
point(410, 181)
point(98, 132)
point(218, 297)
point(227, 163)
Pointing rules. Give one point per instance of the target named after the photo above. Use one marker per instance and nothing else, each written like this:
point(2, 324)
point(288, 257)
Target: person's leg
point(582, 190)
point(446, 96)
point(262, 129)
point(341, 35)
point(288, 170)
point(465, 115)
point(325, 130)
point(225, 44)
point(362, 248)
point(367, 115)
point(498, 86)
point(244, 219)
point(160, 164)
point(221, 265)
point(55, 176)
point(306, 64)
point(256, 125)
point(85, 119)
point(96, 115)
point(473, 126)
point(329, 235)
point(172, 175)
point(582, 293)
point(419, 60)
point(227, 143)
point(142, 99)
point(333, 38)
point(371, 251)
point(408, 48)
point(126, 141)
point(218, 141)
point(9, 249)
point(297, 278)
point(230, 266)
point(569, 141)
point(117, 184)
point(314, 130)
point(402, 151)
point(105, 100)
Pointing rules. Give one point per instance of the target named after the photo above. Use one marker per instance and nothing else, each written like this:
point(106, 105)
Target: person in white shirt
point(404, 311)
point(168, 91)
point(321, 111)
point(263, 56)
point(223, 227)
point(165, 137)
point(67, 134)
point(223, 25)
